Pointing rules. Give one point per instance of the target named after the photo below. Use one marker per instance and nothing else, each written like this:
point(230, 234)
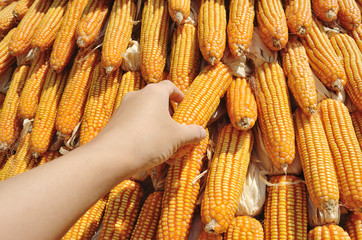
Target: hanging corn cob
point(6, 59)
point(356, 117)
point(325, 10)
point(10, 123)
point(49, 156)
point(299, 16)
point(357, 36)
point(354, 226)
point(328, 232)
point(246, 228)
point(48, 27)
point(179, 10)
point(209, 236)
point(7, 19)
point(212, 30)
point(22, 8)
point(349, 14)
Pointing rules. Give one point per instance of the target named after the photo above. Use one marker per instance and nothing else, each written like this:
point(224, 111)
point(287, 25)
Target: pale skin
point(43, 203)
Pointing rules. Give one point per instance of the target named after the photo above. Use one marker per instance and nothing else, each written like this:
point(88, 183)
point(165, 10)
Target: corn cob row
point(179, 10)
point(357, 36)
point(325, 10)
point(6, 59)
point(327, 232)
point(354, 226)
point(244, 227)
point(349, 14)
point(7, 19)
point(299, 16)
point(356, 117)
point(209, 236)
point(49, 156)
point(21, 8)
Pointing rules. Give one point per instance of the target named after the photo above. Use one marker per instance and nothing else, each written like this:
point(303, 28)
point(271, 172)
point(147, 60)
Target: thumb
point(192, 134)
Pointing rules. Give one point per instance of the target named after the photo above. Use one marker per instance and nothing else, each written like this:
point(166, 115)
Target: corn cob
point(10, 124)
point(6, 59)
point(286, 209)
point(74, 98)
point(21, 39)
point(349, 14)
point(346, 152)
point(357, 36)
point(87, 225)
point(299, 16)
point(209, 236)
point(49, 156)
point(146, 226)
point(245, 228)
point(274, 114)
point(5, 168)
point(202, 98)
point(185, 56)
point(93, 18)
point(225, 180)
point(317, 162)
point(322, 58)
point(153, 40)
point(347, 49)
point(300, 76)
point(354, 226)
point(22, 8)
point(131, 81)
point(48, 27)
point(325, 10)
point(7, 19)
point(100, 103)
point(179, 10)
point(179, 199)
point(121, 211)
point(328, 232)
point(65, 41)
point(29, 98)
point(212, 30)
point(272, 23)
point(356, 117)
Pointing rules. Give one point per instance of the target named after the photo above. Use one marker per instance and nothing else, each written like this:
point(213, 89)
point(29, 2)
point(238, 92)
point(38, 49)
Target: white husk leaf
point(27, 127)
point(131, 58)
point(317, 217)
point(5, 79)
point(324, 93)
point(238, 65)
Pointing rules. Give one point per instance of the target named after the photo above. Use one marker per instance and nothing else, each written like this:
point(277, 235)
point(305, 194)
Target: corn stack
point(356, 117)
point(354, 226)
point(349, 14)
point(179, 10)
point(327, 232)
point(7, 19)
point(325, 10)
point(299, 16)
point(21, 8)
point(245, 227)
point(6, 59)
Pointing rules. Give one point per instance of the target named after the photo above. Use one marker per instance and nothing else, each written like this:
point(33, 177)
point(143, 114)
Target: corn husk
point(131, 58)
point(158, 176)
point(317, 217)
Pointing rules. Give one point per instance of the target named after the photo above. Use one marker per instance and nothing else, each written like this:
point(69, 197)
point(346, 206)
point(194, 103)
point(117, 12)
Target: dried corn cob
point(146, 226)
point(299, 16)
point(179, 10)
point(121, 211)
point(6, 167)
point(241, 105)
point(179, 199)
point(356, 117)
point(131, 81)
point(246, 228)
point(346, 152)
point(74, 98)
point(325, 10)
point(49, 156)
point(349, 14)
point(328, 232)
point(300, 76)
point(29, 98)
point(7, 19)
point(212, 30)
point(272, 23)
point(209, 236)
point(100, 103)
point(65, 41)
point(87, 225)
point(322, 58)
point(10, 124)
point(93, 18)
point(347, 49)
point(21, 39)
point(48, 27)
point(286, 209)
point(6, 59)
point(225, 180)
point(357, 36)
point(22, 8)
point(274, 114)
point(354, 226)
point(317, 162)
point(153, 41)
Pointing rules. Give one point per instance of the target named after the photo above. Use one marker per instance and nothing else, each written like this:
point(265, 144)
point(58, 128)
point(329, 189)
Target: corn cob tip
point(109, 69)
point(312, 109)
point(179, 17)
point(302, 30)
point(329, 206)
point(212, 61)
point(36, 154)
point(276, 43)
point(284, 167)
point(15, 15)
point(81, 42)
point(337, 85)
point(62, 136)
point(331, 14)
point(3, 146)
point(210, 227)
point(244, 123)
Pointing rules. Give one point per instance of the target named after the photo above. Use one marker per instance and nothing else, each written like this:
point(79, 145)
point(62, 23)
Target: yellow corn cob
point(274, 114)
point(44, 122)
point(179, 199)
point(49, 156)
point(325, 10)
point(30, 95)
point(225, 180)
point(241, 105)
point(246, 228)
point(131, 81)
point(74, 98)
point(286, 209)
point(300, 76)
point(48, 27)
point(240, 26)
point(356, 117)
point(299, 16)
point(212, 30)
point(7, 19)
point(209, 236)
point(328, 232)
point(316, 159)
point(347, 49)
point(146, 226)
point(179, 10)
point(22, 8)
point(89, 27)
point(202, 98)
point(354, 226)
point(5, 168)
point(21, 39)
point(10, 124)
point(100, 103)
point(65, 41)
point(153, 40)
point(357, 36)
point(121, 211)
point(6, 59)
point(185, 56)
point(349, 14)
point(87, 225)
point(346, 152)
point(272, 23)
point(322, 58)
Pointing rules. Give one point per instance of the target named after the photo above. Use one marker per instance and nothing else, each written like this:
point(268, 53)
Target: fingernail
point(203, 133)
